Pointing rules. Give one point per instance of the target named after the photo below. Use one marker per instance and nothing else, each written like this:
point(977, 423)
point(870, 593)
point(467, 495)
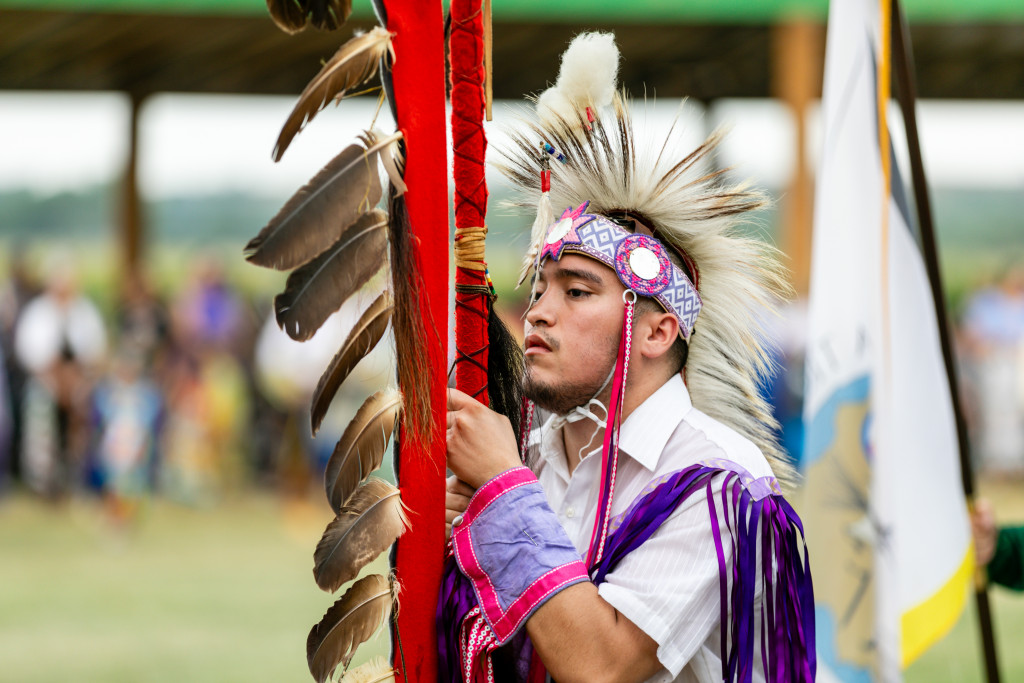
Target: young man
point(647, 539)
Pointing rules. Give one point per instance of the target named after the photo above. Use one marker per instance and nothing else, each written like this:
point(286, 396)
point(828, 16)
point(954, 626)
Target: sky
point(201, 144)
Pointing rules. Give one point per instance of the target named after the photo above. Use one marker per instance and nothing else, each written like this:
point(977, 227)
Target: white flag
point(884, 506)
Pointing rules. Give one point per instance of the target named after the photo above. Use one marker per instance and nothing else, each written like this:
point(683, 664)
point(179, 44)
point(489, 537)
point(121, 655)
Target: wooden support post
point(798, 53)
point(131, 228)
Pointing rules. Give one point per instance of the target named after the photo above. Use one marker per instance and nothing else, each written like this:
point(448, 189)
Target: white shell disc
point(644, 263)
point(559, 230)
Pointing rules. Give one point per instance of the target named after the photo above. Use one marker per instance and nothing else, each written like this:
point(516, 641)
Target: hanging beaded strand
point(610, 451)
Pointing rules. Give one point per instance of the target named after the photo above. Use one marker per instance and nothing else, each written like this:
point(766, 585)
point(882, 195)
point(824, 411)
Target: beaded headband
point(640, 261)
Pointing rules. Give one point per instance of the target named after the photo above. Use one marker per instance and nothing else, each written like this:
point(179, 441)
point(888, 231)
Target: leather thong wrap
point(511, 547)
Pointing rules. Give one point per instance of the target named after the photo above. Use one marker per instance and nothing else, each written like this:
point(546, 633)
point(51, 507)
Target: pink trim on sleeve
point(506, 622)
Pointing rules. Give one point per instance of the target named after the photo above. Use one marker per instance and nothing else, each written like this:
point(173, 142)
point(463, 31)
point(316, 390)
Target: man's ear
point(657, 333)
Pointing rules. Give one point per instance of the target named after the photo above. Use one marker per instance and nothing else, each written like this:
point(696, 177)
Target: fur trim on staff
point(694, 208)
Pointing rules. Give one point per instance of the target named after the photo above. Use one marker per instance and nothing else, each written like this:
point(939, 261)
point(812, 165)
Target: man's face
point(572, 332)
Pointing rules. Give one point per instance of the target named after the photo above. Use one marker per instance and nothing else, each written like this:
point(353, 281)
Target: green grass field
point(226, 594)
point(221, 594)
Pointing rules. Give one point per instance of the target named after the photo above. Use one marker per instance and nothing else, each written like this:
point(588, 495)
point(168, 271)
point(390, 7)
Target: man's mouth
point(536, 344)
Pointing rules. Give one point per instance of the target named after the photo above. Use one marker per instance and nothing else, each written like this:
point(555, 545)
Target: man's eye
point(577, 293)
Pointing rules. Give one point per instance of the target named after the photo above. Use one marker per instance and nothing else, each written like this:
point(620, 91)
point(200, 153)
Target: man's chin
point(558, 399)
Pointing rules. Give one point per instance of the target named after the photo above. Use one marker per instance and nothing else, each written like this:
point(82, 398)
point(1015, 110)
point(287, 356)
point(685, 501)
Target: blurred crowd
point(991, 344)
point(196, 392)
point(190, 395)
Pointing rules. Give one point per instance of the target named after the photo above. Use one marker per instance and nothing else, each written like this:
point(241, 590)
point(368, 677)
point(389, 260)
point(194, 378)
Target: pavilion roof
point(701, 48)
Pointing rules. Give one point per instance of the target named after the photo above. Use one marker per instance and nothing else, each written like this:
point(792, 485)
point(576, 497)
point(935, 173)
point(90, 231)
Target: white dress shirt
point(668, 586)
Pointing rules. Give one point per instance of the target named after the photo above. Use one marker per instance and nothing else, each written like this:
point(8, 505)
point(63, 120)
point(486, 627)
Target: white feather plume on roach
point(588, 77)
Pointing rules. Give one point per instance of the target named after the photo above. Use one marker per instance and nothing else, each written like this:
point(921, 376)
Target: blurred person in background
point(208, 313)
point(6, 425)
point(20, 287)
point(998, 549)
point(993, 336)
point(127, 408)
point(61, 341)
point(784, 388)
point(142, 321)
point(286, 374)
point(206, 389)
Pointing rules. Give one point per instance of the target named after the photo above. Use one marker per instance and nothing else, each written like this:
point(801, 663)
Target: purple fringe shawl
point(786, 614)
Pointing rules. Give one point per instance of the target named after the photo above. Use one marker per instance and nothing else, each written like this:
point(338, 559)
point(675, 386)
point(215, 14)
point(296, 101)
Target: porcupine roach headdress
point(588, 152)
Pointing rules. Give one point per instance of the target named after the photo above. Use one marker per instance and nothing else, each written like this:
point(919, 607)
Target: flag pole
point(903, 66)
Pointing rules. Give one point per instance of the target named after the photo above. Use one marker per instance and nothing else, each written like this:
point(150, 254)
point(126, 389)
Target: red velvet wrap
point(418, 76)
point(469, 145)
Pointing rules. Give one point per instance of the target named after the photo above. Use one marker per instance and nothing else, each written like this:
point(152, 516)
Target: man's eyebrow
point(576, 274)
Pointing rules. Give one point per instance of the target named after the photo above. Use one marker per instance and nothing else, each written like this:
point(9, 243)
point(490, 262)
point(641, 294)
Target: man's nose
point(539, 312)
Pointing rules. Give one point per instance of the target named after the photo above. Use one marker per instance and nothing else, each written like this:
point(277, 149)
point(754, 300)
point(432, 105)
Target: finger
point(983, 507)
point(457, 399)
point(451, 419)
point(462, 488)
point(455, 485)
point(455, 504)
point(447, 531)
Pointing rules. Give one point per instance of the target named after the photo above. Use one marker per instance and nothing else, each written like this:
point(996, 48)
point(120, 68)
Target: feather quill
point(362, 339)
point(377, 670)
point(347, 624)
point(391, 155)
point(319, 288)
point(315, 216)
point(361, 448)
point(371, 520)
point(354, 63)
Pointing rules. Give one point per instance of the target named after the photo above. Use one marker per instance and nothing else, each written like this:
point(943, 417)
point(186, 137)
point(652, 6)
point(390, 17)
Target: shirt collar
point(646, 431)
point(552, 448)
